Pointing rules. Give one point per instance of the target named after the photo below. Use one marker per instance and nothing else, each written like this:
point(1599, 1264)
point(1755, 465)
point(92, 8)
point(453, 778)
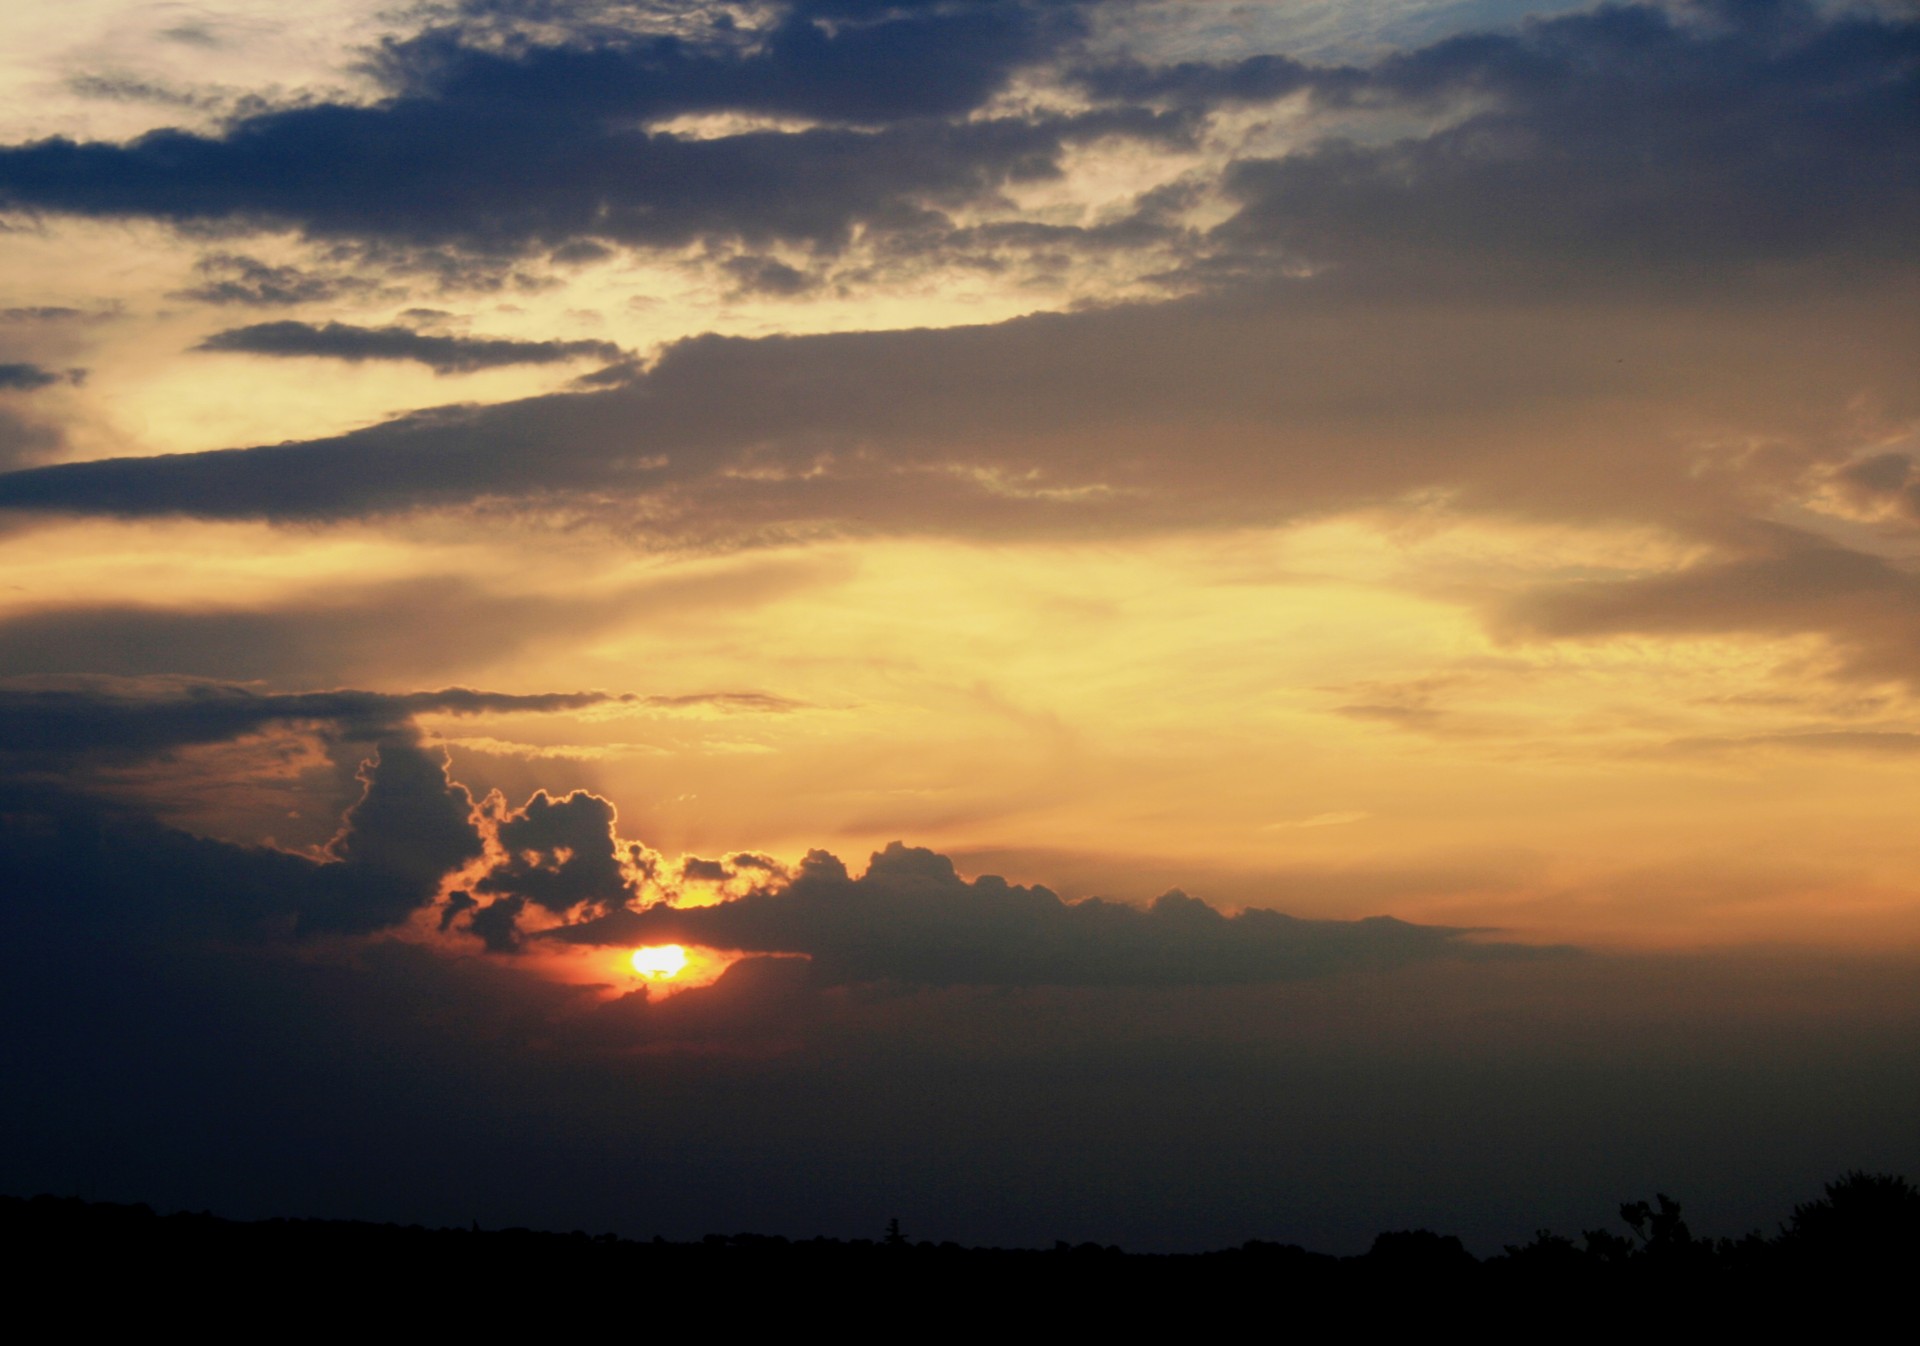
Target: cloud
point(910, 918)
point(849, 61)
point(18, 377)
point(1883, 483)
point(559, 854)
point(140, 880)
point(1592, 250)
point(132, 89)
point(42, 313)
point(1863, 742)
point(508, 188)
point(1781, 583)
point(24, 442)
point(762, 702)
point(1283, 400)
point(105, 718)
point(235, 278)
point(442, 354)
point(1647, 143)
point(767, 276)
point(1203, 84)
point(502, 146)
point(408, 827)
point(1660, 143)
point(414, 630)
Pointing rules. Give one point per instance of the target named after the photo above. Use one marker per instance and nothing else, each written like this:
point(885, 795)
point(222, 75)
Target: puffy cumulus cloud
point(130, 878)
point(84, 761)
point(442, 354)
point(552, 858)
point(558, 864)
point(498, 924)
point(64, 840)
point(560, 854)
point(912, 919)
point(410, 827)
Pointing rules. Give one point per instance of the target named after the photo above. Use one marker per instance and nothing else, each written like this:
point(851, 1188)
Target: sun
point(659, 962)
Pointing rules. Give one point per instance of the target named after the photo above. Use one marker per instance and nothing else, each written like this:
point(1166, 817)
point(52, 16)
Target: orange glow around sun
point(660, 962)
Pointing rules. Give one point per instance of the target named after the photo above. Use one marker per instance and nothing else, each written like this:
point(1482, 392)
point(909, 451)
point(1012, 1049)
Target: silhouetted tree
point(1665, 1241)
point(1867, 1223)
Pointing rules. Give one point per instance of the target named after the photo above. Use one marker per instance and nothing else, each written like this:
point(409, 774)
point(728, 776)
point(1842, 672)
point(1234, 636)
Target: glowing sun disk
point(659, 962)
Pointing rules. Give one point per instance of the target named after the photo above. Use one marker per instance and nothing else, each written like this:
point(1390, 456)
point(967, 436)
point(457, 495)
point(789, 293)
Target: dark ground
point(1853, 1253)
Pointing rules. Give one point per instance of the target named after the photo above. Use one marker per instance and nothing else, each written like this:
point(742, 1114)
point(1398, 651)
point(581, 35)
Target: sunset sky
point(1014, 533)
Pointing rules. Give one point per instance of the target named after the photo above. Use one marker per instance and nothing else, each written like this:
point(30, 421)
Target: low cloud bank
point(557, 869)
point(911, 918)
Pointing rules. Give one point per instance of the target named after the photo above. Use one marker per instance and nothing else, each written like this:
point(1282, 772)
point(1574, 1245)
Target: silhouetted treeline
point(1856, 1245)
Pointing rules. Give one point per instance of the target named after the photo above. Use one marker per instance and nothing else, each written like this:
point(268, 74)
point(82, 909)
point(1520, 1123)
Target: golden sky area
point(1318, 718)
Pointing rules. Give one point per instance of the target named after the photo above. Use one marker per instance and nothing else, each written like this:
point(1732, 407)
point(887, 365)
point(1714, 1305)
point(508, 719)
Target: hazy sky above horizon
point(487, 485)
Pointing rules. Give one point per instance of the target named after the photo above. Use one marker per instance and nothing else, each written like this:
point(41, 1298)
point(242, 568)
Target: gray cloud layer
point(1206, 410)
point(500, 145)
point(1635, 137)
point(106, 718)
point(1648, 226)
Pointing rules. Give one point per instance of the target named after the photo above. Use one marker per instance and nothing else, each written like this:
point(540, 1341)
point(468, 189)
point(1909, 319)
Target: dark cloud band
point(442, 354)
point(77, 721)
point(911, 919)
